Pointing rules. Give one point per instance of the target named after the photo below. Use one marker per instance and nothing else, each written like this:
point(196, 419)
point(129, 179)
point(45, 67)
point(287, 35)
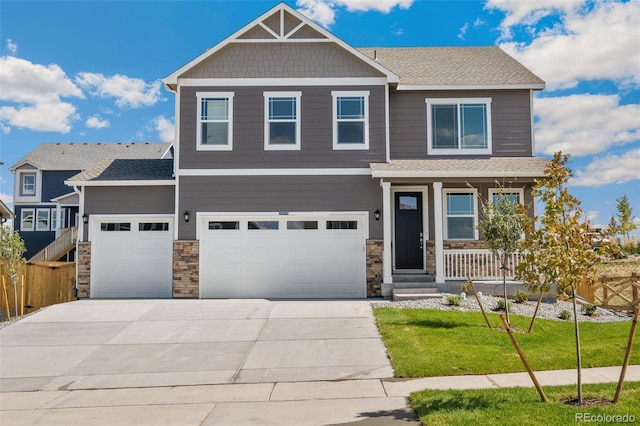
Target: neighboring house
point(306, 168)
point(44, 205)
point(5, 213)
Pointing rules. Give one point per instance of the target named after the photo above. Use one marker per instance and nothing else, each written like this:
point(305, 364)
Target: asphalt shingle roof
point(126, 169)
point(80, 156)
point(464, 167)
point(453, 66)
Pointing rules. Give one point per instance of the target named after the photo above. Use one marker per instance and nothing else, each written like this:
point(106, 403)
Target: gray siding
point(129, 200)
point(248, 131)
point(510, 122)
point(282, 60)
point(276, 193)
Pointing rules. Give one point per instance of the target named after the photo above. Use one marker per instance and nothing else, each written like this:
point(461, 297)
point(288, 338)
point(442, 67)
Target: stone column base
point(186, 269)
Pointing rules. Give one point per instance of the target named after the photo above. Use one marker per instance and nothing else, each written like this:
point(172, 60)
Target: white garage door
point(131, 257)
point(283, 257)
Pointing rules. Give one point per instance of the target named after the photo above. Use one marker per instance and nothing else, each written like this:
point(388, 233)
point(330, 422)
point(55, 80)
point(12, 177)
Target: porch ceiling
point(502, 167)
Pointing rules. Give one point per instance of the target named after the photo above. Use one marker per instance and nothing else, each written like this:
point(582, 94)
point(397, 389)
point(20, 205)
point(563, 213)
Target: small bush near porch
point(522, 406)
point(427, 343)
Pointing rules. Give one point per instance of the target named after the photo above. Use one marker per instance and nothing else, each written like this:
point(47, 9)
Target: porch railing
point(478, 263)
point(58, 247)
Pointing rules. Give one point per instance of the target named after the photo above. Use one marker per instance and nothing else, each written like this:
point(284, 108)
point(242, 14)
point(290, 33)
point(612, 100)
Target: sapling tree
point(11, 251)
point(625, 217)
point(502, 227)
point(560, 250)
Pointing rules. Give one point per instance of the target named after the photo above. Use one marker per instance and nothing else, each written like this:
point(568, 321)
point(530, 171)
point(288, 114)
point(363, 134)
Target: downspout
point(80, 226)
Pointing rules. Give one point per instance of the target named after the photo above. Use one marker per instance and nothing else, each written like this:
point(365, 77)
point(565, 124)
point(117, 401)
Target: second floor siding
point(247, 149)
point(510, 121)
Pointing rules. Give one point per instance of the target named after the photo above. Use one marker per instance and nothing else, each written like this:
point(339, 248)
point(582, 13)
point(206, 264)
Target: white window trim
point(350, 146)
point(445, 216)
point(204, 147)
point(33, 220)
point(23, 192)
point(519, 191)
point(17, 187)
point(276, 147)
point(457, 101)
point(37, 221)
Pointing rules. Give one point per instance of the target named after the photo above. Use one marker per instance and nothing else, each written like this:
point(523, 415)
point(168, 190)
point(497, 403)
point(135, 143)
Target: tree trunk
point(504, 286)
point(535, 313)
point(577, 333)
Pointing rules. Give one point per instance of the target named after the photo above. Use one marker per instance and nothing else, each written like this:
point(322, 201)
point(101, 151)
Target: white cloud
point(7, 199)
point(324, 11)
point(12, 48)
point(40, 117)
point(128, 92)
point(584, 124)
point(397, 31)
point(165, 128)
point(95, 122)
point(610, 169)
point(463, 31)
point(599, 43)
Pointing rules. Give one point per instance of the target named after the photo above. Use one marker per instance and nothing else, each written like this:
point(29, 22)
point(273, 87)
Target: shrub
point(454, 300)
point(521, 296)
point(500, 305)
point(565, 314)
point(589, 309)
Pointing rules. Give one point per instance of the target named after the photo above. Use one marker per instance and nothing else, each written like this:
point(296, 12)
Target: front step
point(415, 292)
point(412, 278)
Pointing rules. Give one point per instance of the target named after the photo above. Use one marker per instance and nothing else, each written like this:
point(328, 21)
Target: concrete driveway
point(195, 362)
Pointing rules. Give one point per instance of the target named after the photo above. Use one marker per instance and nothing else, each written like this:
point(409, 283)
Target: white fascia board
point(173, 78)
point(253, 82)
point(62, 197)
point(539, 86)
point(23, 163)
point(454, 174)
point(275, 172)
point(121, 183)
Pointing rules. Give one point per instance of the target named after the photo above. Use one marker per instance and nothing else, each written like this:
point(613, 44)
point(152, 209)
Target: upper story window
point(350, 120)
point(215, 121)
point(28, 184)
point(459, 126)
point(461, 214)
point(282, 120)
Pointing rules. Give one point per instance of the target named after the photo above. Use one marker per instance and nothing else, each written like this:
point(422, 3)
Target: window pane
point(215, 133)
point(408, 203)
point(351, 132)
point(514, 197)
point(115, 227)
point(473, 126)
point(224, 225)
point(460, 204)
point(460, 228)
point(351, 107)
point(302, 224)
point(153, 226)
point(282, 133)
point(264, 224)
point(26, 219)
point(43, 220)
point(215, 109)
point(342, 224)
point(282, 108)
point(445, 126)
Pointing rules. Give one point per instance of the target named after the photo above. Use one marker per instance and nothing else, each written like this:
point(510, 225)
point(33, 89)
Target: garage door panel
point(290, 262)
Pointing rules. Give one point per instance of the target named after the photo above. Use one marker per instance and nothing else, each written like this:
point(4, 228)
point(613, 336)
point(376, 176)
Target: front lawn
point(522, 406)
point(426, 343)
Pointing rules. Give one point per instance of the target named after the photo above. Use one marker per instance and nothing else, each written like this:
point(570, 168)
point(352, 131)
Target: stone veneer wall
point(84, 268)
point(186, 269)
point(374, 268)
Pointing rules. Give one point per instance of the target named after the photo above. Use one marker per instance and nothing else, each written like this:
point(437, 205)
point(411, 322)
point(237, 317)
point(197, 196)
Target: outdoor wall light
point(187, 216)
point(376, 214)
point(85, 218)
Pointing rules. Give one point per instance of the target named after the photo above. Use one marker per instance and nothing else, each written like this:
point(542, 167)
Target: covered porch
point(431, 209)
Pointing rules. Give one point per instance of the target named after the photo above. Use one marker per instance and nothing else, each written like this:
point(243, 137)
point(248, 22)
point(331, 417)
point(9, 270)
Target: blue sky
point(90, 71)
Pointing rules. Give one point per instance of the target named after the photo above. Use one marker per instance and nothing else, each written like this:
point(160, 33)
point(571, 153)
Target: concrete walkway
point(216, 363)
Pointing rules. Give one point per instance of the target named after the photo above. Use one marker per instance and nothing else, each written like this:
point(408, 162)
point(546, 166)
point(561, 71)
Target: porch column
point(439, 228)
point(58, 221)
point(387, 268)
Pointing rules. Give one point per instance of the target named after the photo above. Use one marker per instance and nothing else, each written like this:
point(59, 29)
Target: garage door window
point(342, 224)
point(153, 226)
point(264, 224)
point(302, 224)
point(224, 225)
point(115, 227)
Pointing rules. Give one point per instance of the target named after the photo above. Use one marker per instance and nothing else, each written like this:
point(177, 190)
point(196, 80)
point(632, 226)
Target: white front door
point(283, 256)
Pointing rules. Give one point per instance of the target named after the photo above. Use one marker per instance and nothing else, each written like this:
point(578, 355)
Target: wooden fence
point(620, 293)
point(45, 283)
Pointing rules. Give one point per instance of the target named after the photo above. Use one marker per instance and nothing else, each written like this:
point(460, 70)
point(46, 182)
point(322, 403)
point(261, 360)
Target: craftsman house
point(306, 168)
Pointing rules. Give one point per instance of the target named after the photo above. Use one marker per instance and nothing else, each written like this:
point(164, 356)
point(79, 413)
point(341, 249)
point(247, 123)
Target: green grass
point(426, 343)
point(521, 406)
